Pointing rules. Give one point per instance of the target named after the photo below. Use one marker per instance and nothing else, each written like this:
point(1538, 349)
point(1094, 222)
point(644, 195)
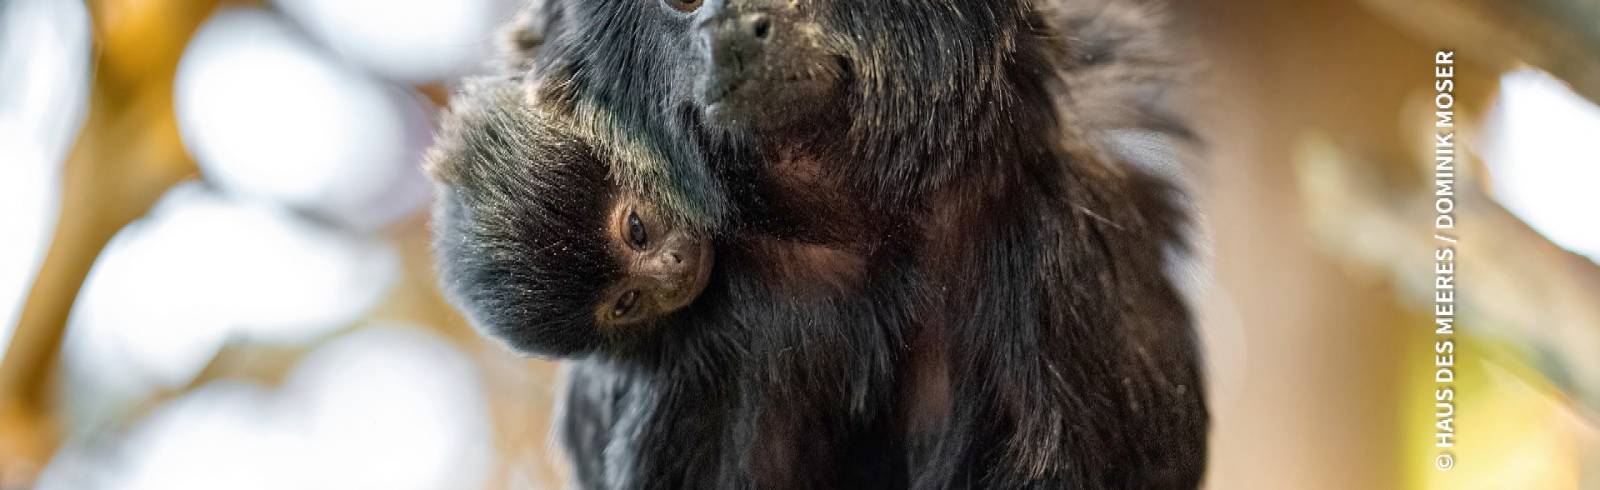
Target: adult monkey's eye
point(625, 304)
point(637, 237)
point(685, 5)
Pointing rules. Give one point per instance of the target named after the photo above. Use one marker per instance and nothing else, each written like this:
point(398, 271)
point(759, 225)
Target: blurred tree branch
point(127, 155)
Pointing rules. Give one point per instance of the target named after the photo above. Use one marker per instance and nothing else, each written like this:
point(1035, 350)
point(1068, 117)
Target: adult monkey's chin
point(778, 98)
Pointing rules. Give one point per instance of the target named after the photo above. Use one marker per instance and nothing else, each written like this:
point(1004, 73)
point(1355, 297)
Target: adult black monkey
point(1048, 348)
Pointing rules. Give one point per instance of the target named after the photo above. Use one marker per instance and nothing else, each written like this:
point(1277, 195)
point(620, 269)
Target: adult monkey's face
point(879, 87)
point(768, 64)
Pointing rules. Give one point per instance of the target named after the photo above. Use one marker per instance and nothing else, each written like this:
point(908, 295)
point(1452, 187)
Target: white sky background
point(408, 40)
point(267, 113)
point(388, 407)
point(1541, 149)
point(204, 269)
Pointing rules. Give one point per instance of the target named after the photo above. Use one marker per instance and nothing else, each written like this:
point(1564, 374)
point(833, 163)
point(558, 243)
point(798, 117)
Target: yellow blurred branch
point(126, 156)
point(120, 166)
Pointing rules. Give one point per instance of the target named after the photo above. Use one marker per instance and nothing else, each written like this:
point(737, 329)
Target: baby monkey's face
point(664, 266)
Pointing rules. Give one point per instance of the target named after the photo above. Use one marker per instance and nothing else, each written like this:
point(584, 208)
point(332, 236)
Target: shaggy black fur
point(1021, 333)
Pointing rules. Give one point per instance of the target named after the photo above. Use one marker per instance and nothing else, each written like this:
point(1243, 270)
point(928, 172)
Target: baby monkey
point(538, 243)
point(545, 245)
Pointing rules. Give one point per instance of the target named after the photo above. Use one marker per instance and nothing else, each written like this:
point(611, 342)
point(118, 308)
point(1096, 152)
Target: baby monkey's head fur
point(535, 240)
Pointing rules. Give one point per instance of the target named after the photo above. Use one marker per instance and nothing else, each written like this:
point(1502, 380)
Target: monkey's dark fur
point(1021, 333)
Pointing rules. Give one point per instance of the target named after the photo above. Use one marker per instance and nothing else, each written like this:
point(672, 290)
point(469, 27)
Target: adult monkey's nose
point(737, 39)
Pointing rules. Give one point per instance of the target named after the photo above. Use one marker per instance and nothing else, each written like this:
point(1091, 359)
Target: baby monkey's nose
point(674, 259)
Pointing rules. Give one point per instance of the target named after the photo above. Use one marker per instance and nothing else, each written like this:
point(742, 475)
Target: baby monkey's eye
point(625, 304)
point(684, 5)
point(637, 237)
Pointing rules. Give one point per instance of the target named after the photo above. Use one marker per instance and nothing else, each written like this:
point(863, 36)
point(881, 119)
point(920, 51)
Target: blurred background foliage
point(215, 271)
